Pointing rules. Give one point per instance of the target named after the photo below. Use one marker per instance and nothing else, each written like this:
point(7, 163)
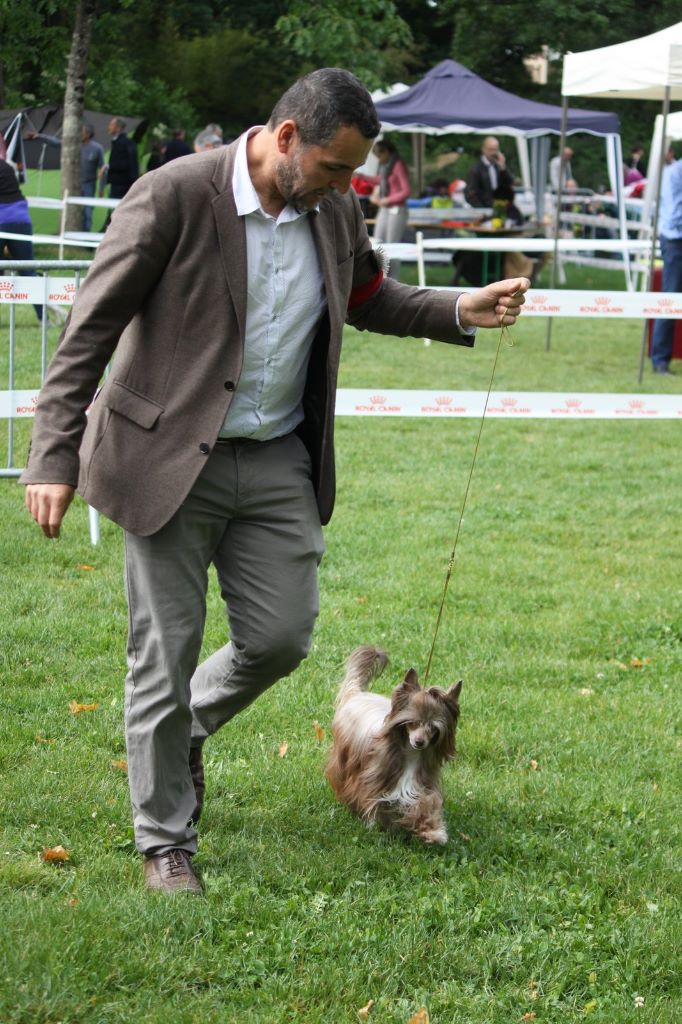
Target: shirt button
point(229, 385)
point(204, 448)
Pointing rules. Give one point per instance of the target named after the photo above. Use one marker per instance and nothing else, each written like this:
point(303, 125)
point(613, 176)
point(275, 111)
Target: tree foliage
point(193, 61)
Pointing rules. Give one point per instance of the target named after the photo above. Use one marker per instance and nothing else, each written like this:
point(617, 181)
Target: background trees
point(193, 61)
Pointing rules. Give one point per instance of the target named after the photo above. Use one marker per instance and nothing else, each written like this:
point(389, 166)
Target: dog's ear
point(411, 681)
point(455, 690)
point(401, 694)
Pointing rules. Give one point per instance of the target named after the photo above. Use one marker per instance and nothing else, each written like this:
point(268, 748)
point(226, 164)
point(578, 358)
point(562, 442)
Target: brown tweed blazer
point(166, 299)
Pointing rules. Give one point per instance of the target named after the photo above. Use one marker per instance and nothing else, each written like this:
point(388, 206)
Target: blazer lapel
point(322, 227)
point(231, 236)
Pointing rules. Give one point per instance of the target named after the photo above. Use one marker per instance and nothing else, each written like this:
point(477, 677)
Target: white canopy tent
point(649, 68)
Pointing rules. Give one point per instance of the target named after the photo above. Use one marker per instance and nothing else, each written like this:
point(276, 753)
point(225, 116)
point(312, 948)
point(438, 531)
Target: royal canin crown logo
point(636, 403)
point(378, 399)
point(68, 288)
point(541, 299)
point(602, 300)
point(573, 403)
point(509, 402)
point(443, 400)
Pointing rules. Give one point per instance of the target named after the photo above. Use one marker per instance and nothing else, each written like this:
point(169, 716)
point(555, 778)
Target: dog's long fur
point(386, 756)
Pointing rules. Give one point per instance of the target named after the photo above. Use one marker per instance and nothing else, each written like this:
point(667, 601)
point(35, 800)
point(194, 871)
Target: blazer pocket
point(134, 406)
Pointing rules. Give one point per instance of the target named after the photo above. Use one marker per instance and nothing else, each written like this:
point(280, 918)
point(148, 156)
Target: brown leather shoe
point(171, 872)
point(196, 767)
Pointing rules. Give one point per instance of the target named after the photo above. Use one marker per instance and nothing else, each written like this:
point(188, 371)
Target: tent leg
point(557, 217)
point(654, 228)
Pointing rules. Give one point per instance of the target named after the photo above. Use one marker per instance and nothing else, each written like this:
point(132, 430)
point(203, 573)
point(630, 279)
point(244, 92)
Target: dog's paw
point(434, 837)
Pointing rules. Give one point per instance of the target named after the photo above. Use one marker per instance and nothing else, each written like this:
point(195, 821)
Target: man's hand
point(496, 305)
point(48, 503)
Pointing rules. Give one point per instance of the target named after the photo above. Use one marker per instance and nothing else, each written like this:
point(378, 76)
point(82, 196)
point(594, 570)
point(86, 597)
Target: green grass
point(561, 881)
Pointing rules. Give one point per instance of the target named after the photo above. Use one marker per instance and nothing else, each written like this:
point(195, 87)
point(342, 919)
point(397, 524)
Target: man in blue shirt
point(670, 227)
point(92, 161)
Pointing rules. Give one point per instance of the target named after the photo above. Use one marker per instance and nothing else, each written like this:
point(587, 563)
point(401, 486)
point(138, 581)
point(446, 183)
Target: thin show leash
point(504, 332)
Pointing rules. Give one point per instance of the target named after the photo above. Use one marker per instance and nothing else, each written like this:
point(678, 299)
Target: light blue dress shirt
point(670, 208)
point(286, 300)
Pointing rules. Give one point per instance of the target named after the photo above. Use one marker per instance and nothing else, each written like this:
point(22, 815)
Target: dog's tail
point(364, 664)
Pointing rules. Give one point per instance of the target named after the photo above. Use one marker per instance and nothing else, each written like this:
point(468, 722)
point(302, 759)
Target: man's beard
point(289, 181)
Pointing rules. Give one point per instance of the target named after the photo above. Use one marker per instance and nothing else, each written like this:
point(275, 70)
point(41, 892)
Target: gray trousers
point(253, 514)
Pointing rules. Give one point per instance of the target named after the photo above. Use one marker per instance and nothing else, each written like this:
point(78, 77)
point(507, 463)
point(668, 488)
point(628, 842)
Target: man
point(670, 228)
point(487, 174)
point(555, 169)
point(223, 285)
point(177, 146)
point(122, 169)
point(92, 162)
point(207, 139)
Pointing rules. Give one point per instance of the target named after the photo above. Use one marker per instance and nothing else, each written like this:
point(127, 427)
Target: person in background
point(670, 236)
point(155, 158)
point(635, 162)
point(391, 192)
point(15, 219)
point(489, 171)
point(207, 139)
point(177, 146)
point(122, 169)
point(568, 181)
point(92, 162)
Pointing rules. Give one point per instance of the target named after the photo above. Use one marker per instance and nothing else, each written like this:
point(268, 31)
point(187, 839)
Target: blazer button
point(204, 448)
point(229, 385)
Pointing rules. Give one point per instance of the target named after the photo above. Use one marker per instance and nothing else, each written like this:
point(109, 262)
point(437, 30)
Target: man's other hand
point(496, 305)
point(48, 503)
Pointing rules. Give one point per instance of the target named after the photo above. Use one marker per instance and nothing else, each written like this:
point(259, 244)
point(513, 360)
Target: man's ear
point(285, 134)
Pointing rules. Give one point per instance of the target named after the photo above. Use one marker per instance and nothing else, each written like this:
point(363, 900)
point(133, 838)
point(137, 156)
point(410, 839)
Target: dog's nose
point(419, 742)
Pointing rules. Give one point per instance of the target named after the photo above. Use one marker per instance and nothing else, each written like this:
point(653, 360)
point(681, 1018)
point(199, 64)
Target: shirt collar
point(245, 196)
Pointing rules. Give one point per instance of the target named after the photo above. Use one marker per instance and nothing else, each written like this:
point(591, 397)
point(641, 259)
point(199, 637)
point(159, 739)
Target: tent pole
point(654, 227)
point(557, 217)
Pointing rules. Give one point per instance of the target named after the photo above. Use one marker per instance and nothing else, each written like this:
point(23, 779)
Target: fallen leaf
point(464, 837)
point(639, 663)
point(364, 1012)
point(534, 765)
point(55, 853)
point(73, 902)
point(420, 1017)
point(75, 708)
point(529, 1016)
point(586, 691)
point(43, 739)
point(618, 664)
point(319, 731)
point(121, 765)
point(283, 747)
point(591, 1006)
point(361, 600)
point(86, 568)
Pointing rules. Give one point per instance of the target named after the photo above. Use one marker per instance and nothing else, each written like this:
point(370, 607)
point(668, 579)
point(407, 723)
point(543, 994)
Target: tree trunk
point(74, 100)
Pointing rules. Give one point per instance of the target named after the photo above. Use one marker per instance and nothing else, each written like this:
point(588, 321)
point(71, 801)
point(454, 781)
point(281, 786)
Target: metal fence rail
point(10, 272)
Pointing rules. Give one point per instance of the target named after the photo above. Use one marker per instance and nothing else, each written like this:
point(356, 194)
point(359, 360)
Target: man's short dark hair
point(324, 101)
point(89, 130)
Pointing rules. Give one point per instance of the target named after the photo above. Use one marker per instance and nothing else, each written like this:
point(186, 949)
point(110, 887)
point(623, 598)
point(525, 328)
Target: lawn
point(557, 899)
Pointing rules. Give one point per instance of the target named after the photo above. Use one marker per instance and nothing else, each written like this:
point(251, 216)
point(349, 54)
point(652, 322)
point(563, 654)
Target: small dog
point(386, 756)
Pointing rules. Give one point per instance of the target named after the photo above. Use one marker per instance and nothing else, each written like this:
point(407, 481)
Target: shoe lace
point(176, 862)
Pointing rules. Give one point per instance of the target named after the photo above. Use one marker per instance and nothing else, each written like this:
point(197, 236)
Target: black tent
point(48, 120)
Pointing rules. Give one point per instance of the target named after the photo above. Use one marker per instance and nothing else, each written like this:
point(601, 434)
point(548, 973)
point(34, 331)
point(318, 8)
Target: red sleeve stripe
point(366, 291)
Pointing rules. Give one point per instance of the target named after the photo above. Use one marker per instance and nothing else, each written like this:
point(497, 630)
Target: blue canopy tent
point(451, 99)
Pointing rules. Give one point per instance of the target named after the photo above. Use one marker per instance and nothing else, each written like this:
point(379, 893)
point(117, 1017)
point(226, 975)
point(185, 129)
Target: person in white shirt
point(223, 284)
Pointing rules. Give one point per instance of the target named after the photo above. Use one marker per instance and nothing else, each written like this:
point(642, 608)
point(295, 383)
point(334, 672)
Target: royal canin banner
point(58, 291)
point(608, 305)
point(510, 405)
